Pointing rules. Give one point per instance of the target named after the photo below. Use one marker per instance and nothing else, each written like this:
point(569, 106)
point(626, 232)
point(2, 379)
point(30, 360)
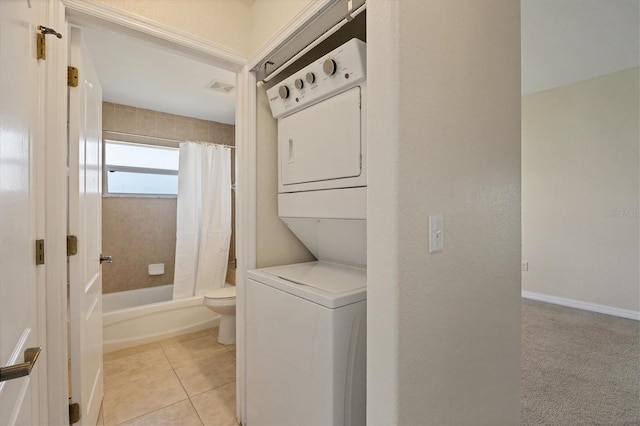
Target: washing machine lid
point(329, 284)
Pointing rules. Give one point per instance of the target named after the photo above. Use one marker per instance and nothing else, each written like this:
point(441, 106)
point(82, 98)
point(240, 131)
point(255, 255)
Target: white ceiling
point(563, 42)
point(135, 73)
point(566, 41)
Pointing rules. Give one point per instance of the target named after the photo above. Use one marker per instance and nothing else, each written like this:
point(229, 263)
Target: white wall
point(580, 191)
point(444, 137)
point(225, 22)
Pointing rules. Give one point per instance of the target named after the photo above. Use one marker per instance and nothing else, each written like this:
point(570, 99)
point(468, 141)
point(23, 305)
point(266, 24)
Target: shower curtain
point(203, 219)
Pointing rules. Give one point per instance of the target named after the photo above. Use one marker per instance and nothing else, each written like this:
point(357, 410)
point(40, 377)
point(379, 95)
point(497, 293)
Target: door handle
point(23, 369)
point(107, 259)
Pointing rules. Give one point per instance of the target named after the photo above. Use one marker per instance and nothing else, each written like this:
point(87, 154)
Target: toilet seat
point(222, 293)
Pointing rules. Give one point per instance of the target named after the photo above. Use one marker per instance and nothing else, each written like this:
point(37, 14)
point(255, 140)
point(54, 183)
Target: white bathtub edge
point(127, 314)
point(117, 344)
point(133, 326)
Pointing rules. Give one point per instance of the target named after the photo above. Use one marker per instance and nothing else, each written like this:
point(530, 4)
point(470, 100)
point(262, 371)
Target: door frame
point(53, 300)
point(96, 15)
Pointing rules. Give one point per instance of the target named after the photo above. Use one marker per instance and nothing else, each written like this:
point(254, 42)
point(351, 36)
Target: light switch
point(436, 233)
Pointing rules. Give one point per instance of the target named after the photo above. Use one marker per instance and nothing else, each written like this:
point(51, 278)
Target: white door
point(21, 82)
point(85, 222)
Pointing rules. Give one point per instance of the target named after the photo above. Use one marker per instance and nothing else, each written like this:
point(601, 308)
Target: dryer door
point(322, 142)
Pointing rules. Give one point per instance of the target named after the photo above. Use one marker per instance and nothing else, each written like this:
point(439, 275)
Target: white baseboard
point(594, 307)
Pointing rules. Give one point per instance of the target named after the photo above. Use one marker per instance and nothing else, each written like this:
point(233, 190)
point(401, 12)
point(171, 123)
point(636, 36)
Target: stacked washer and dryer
point(306, 323)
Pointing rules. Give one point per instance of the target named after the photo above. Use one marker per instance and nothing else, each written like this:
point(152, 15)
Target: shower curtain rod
point(161, 138)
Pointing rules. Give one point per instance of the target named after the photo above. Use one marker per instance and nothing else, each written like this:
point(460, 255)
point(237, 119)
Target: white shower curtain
point(203, 219)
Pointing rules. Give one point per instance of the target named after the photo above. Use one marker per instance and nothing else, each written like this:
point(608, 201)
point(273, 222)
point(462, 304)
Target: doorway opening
point(152, 101)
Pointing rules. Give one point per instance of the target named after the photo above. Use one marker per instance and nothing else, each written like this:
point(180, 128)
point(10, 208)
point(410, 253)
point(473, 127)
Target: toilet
point(223, 301)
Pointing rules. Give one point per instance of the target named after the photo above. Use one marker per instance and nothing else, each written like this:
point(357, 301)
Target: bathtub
point(135, 317)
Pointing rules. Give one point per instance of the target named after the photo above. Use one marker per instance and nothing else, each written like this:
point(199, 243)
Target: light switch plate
point(436, 233)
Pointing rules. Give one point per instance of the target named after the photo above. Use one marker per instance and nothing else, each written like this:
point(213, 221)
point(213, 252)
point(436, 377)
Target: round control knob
point(283, 91)
point(299, 84)
point(310, 77)
point(329, 66)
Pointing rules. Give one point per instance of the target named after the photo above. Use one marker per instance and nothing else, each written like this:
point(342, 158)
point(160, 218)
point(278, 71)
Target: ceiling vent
point(220, 86)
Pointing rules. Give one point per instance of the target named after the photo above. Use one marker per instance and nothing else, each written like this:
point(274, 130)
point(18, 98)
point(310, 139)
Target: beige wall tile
point(201, 130)
point(165, 125)
point(228, 136)
point(183, 128)
point(138, 232)
point(216, 132)
point(125, 107)
point(125, 119)
point(100, 421)
point(146, 121)
point(108, 116)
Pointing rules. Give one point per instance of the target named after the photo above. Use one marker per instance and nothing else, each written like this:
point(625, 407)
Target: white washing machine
point(306, 323)
point(306, 345)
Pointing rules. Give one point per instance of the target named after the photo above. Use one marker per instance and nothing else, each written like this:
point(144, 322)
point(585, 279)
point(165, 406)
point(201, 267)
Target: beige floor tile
point(209, 373)
point(181, 413)
point(180, 354)
point(184, 337)
point(231, 347)
point(134, 367)
point(134, 399)
point(110, 356)
point(217, 406)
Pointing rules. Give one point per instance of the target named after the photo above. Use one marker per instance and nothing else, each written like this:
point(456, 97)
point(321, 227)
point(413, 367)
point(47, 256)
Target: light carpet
point(578, 367)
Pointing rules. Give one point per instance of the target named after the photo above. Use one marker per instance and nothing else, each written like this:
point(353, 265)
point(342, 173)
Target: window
point(135, 169)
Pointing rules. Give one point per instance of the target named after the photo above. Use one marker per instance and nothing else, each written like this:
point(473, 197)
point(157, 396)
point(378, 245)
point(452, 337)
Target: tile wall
point(139, 231)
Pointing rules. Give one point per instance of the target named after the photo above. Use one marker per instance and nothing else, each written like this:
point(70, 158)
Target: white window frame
point(108, 168)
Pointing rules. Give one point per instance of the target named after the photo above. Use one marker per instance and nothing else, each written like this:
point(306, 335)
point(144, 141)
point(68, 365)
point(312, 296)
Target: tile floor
point(184, 380)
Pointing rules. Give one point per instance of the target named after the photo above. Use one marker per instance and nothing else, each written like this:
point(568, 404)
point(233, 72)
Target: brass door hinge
point(74, 413)
point(39, 252)
point(72, 245)
point(41, 44)
point(41, 47)
point(72, 76)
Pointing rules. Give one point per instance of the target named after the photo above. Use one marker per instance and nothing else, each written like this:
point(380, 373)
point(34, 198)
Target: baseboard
point(593, 307)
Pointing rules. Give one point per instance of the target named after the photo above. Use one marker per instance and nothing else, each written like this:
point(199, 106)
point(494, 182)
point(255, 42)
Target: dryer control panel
point(335, 72)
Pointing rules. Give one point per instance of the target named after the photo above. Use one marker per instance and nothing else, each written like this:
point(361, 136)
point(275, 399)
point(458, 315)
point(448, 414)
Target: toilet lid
point(222, 293)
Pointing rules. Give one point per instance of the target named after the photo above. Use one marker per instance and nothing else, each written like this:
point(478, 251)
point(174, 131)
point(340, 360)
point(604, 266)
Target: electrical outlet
point(525, 266)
